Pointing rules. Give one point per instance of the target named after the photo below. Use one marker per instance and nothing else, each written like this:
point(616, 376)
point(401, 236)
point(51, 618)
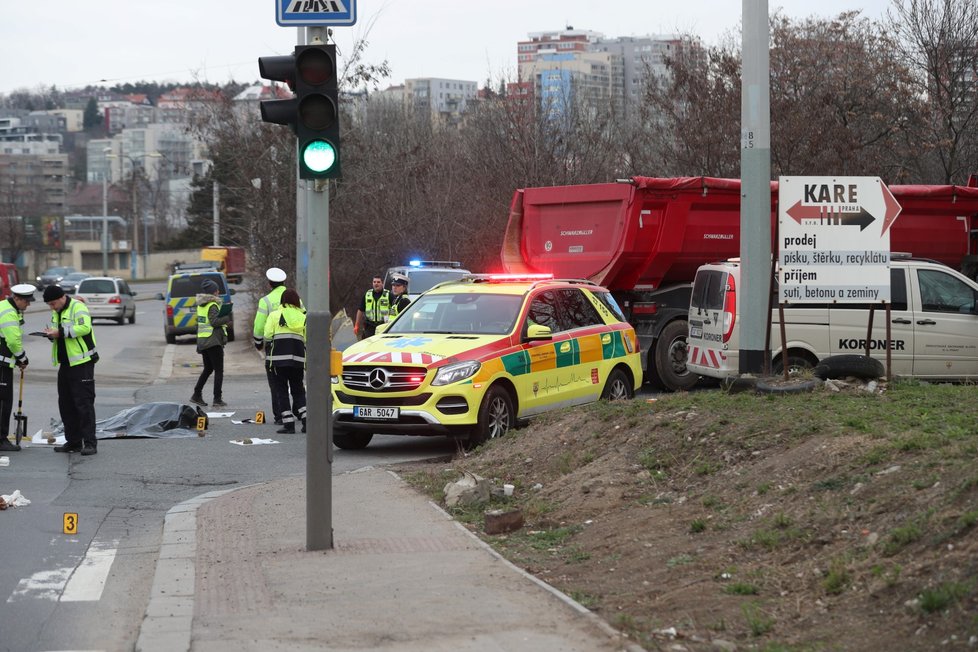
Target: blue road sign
point(313, 13)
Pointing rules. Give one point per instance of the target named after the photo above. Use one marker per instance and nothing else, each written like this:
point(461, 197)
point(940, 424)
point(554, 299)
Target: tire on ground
point(352, 440)
point(841, 366)
point(618, 387)
point(496, 417)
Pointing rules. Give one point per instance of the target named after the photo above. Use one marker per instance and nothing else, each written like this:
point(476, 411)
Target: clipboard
point(225, 309)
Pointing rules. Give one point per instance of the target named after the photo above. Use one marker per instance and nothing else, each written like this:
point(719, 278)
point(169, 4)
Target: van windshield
point(709, 289)
point(422, 280)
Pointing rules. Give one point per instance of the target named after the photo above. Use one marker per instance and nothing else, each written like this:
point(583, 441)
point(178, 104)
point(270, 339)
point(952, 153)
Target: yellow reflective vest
point(377, 311)
point(75, 325)
point(11, 335)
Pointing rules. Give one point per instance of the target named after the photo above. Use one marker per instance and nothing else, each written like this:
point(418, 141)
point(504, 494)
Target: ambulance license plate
point(370, 412)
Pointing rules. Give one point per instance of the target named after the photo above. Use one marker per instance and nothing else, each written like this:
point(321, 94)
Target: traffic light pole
point(319, 438)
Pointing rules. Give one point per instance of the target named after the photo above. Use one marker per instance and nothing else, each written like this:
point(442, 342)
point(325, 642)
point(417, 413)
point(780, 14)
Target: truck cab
point(933, 325)
point(422, 275)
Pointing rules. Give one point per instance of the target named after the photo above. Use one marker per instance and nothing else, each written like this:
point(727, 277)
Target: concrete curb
point(168, 623)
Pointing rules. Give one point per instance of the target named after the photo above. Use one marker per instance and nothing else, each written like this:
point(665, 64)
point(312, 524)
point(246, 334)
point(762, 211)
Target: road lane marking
point(88, 581)
point(81, 583)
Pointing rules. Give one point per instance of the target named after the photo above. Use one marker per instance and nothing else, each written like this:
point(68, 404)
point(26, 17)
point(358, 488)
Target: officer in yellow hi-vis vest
point(374, 309)
point(399, 298)
point(73, 352)
point(286, 358)
point(12, 353)
point(212, 335)
point(271, 301)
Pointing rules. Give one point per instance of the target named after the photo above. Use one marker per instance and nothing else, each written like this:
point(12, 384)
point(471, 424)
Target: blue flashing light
point(415, 263)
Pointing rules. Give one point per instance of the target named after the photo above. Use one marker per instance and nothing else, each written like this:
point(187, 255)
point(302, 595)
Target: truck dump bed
point(656, 231)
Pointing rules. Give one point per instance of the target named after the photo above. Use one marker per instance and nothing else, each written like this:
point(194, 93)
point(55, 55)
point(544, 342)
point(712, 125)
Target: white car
point(108, 297)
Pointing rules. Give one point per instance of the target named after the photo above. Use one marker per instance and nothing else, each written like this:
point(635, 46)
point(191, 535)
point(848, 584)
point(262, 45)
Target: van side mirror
point(160, 297)
point(232, 291)
point(132, 293)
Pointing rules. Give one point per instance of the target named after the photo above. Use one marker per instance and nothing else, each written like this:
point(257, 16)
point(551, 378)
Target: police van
point(422, 275)
point(933, 324)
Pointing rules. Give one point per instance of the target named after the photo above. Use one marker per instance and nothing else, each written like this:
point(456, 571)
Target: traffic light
point(317, 112)
point(283, 69)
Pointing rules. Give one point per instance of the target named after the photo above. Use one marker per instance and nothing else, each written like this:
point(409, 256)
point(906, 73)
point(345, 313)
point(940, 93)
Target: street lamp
point(134, 246)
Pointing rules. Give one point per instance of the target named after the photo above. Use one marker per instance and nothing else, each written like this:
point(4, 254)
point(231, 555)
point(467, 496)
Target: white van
point(933, 324)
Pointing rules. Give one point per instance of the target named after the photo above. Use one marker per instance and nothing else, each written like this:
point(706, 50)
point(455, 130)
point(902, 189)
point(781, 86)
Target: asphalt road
point(89, 590)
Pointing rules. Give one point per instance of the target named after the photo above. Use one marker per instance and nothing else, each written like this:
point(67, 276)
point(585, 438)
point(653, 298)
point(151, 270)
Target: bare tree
point(938, 40)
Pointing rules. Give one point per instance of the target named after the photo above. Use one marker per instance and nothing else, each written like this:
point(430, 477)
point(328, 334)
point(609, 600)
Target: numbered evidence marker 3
point(70, 523)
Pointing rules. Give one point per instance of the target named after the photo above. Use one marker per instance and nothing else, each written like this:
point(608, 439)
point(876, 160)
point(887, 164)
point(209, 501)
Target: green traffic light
point(319, 156)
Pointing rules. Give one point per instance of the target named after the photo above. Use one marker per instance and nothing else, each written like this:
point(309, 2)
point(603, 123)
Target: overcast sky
point(72, 43)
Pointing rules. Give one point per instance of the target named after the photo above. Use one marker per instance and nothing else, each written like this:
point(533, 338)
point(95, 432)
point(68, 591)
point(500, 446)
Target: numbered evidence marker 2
point(70, 523)
point(259, 417)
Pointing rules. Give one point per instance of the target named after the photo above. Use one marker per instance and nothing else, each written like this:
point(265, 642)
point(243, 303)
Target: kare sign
point(834, 239)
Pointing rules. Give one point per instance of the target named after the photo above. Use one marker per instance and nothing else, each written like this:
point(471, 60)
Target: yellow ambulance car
point(470, 358)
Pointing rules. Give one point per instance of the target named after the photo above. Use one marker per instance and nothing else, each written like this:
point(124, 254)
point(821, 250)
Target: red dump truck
point(643, 238)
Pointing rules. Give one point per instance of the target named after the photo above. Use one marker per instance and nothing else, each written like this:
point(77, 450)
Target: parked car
point(470, 358)
point(70, 283)
point(8, 278)
point(180, 309)
point(53, 276)
point(108, 297)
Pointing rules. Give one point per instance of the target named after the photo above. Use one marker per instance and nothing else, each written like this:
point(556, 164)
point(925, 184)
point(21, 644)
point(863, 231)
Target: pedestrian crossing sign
point(313, 13)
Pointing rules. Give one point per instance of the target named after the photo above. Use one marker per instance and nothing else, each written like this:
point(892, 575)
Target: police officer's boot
point(303, 425)
point(7, 446)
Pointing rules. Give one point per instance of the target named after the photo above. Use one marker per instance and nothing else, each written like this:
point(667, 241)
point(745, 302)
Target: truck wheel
point(670, 358)
point(618, 387)
point(352, 441)
point(841, 366)
point(496, 417)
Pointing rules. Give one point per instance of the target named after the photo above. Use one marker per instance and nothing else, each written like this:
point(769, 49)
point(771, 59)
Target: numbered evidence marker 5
point(259, 417)
point(70, 523)
point(201, 423)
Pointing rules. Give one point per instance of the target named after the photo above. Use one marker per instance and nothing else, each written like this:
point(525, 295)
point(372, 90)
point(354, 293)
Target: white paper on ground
point(254, 441)
point(39, 438)
point(219, 415)
point(16, 499)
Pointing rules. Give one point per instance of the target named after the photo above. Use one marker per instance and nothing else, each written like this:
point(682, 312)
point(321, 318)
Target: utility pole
point(134, 250)
point(217, 217)
point(105, 224)
point(755, 187)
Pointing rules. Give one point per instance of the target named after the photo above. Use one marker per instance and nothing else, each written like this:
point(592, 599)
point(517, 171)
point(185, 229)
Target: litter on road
point(249, 441)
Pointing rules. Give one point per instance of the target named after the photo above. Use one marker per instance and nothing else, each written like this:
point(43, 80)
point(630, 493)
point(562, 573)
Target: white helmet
point(275, 275)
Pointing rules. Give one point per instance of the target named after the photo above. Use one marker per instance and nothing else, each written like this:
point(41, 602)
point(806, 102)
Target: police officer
point(374, 309)
point(268, 303)
point(285, 331)
point(400, 299)
point(11, 353)
point(212, 335)
point(73, 352)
